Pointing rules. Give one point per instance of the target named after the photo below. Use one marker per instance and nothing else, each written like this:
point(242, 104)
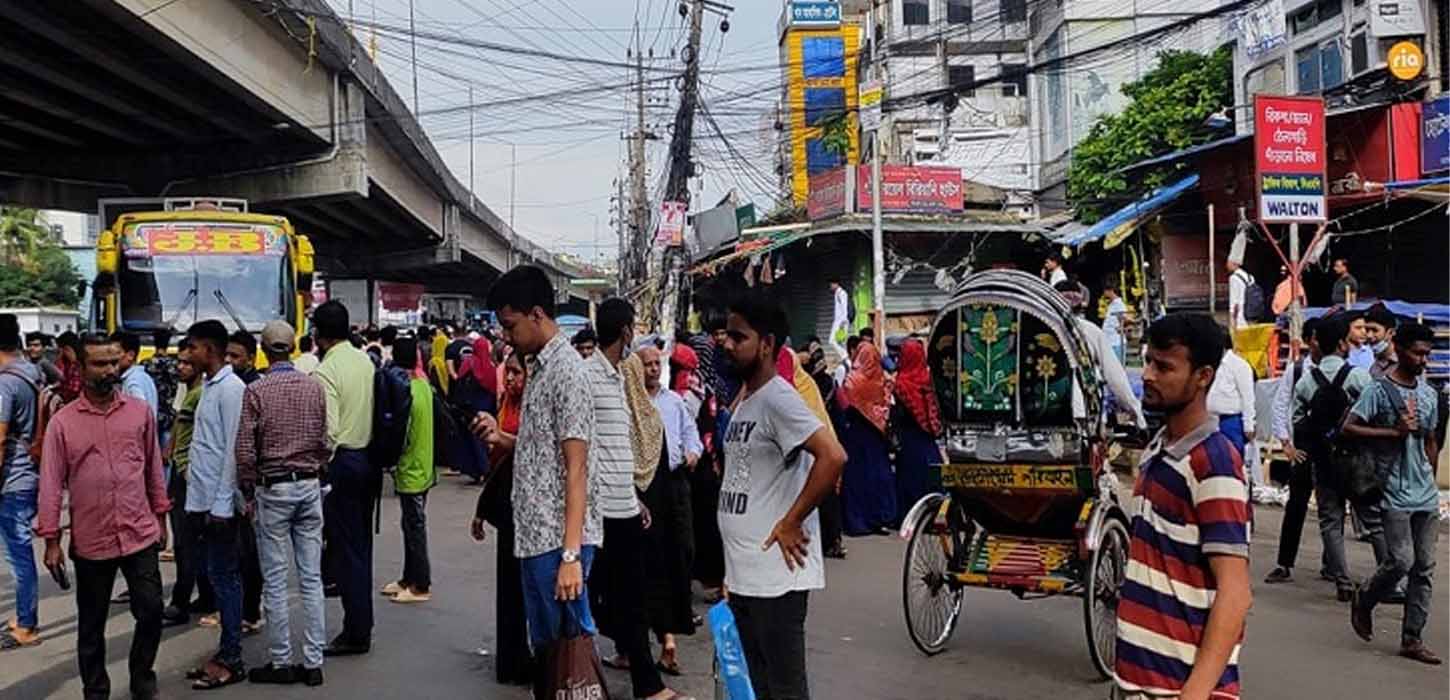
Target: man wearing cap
point(281, 451)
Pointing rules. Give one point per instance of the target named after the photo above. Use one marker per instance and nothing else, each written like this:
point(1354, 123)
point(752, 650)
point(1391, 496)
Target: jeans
point(416, 571)
point(289, 527)
point(773, 634)
point(223, 567)
point(1301, 486)
point(545, 614)
point(1332, 505)
point(16, 511)
point(347, 514)
point(94, 581)
point(1410, 537)
point(190, 552)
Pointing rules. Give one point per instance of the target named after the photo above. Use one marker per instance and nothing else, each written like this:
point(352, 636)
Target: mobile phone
point(62, 578)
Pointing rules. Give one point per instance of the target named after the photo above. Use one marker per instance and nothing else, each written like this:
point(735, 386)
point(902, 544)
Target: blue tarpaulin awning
point(1123, 221)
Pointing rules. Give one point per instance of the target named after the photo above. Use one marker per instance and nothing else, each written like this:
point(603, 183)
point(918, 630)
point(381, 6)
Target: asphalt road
point(1299, 644)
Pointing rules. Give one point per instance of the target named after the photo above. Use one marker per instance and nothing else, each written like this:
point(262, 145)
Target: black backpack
point(392, 405)
point(1255, 308)
point(1328, 405)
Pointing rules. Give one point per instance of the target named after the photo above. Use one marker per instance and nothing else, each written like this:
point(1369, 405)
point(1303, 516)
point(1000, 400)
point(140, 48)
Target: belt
point(268, 480)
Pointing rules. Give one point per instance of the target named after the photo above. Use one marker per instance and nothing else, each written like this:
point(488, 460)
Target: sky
point(562, 119)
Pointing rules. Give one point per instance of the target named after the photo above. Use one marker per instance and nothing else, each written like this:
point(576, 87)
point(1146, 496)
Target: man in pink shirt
point(102, 450)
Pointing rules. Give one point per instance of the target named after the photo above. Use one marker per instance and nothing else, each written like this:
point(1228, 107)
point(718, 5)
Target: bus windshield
point(174, 276)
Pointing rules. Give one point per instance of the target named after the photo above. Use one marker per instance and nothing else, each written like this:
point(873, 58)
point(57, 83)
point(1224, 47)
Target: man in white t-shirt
point(780, 462)
point(840, 319)
point(1239, 280)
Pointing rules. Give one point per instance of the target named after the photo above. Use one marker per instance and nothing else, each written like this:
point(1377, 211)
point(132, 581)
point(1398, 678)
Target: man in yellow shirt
point(346, 374)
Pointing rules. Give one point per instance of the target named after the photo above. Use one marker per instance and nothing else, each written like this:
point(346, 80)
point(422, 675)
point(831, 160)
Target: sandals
point(8, 642)
point(208, 681)
point(670, 669)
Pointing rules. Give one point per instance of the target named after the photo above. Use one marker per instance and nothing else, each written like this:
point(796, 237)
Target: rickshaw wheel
point(931, 601)
point(1100, 599)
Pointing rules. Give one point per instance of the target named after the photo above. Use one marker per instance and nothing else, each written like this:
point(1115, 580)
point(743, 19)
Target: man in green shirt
point(185, 536)
point(412, 480)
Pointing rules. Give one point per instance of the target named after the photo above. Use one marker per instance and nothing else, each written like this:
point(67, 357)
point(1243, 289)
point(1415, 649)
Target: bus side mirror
point(108, 257)
point(304, 266)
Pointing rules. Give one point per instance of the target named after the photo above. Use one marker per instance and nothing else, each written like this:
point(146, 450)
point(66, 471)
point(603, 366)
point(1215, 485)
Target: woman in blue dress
point(868, 490)
point(918, 425)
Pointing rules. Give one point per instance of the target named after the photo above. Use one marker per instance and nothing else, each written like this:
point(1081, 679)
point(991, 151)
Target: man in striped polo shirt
point(1182, 607)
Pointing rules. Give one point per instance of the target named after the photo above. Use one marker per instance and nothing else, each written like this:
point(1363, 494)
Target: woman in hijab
point(513, 664)
point(668, 541)
point(437, 366)
point(918, 425)
point(474, 391)
point(809, 387)
point(868, 490)
point(709, 565)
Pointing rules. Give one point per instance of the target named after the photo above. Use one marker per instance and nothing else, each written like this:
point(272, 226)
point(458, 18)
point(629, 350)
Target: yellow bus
point(195, 259)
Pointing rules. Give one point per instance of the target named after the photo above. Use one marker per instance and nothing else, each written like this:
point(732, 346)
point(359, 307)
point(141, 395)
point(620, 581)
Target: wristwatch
point(569, 556)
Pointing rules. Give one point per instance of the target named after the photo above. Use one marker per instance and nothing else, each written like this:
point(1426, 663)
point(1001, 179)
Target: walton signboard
point(1289, 162)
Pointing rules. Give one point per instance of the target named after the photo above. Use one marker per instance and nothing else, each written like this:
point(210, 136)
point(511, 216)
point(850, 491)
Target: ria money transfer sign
point(1289, 158)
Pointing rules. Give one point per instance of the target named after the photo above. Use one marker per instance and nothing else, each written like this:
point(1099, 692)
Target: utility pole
point(878, 253)
point(631, 267)
point(674, 297)
point(413, 39)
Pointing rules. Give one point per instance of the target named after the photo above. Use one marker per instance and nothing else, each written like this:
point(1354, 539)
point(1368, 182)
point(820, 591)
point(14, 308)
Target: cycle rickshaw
point(1029, 505)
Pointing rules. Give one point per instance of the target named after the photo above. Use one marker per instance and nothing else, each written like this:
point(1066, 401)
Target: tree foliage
point(34, 271)
point(1166, 113)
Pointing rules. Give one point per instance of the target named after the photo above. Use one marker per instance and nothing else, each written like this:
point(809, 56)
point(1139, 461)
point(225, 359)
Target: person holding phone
point(102, 450)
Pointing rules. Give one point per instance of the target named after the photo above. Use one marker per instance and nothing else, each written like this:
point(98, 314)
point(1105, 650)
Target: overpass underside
point(238, 98)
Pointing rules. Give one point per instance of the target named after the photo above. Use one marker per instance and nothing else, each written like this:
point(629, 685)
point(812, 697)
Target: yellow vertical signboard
point(820, 78)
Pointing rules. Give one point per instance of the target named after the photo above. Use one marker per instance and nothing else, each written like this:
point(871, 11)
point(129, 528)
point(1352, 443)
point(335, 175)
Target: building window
point(1359, 52)
point(959, 11)
point(962, 75)
point(1014, 10)
point(915, 12)
point(1318, 68)
point(1315, 14)
point(823, 104)
point(819, 158)
point(823, 57)
point(1014, 80)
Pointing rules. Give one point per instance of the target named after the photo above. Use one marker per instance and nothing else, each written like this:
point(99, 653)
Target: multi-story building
point(1111, 42)
point(925, 45)
point(819, 41)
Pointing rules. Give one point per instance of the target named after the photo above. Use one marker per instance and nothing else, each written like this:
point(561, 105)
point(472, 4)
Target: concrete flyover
point(271, 100)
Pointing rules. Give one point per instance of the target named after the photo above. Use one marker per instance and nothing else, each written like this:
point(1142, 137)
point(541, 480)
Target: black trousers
point(416, 571)
point(94, 581)
point(251, 566)
point(1301, 487)
point(831, 521)
point(347, 515)
point(616, 583)
point(186, 531)
point(773, 634)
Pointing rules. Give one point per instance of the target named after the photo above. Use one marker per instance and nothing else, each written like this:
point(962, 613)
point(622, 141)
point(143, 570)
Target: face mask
point(1380, 347)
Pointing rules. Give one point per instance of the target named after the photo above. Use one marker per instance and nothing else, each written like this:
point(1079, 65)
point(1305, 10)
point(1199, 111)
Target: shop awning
point(1435, 189)
point(1122, 222)
point(1184, 153)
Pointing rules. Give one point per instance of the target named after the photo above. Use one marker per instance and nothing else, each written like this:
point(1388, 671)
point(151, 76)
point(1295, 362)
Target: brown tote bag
point(570, 668)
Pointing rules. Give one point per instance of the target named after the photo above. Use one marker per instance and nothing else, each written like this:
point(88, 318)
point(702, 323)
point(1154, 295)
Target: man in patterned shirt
point(1181, 609)
point(557, 525)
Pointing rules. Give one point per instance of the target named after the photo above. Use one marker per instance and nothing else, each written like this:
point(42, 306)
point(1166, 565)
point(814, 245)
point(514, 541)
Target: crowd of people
point(618, 468)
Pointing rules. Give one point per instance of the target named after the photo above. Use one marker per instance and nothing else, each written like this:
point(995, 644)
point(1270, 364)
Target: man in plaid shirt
point(281, 451)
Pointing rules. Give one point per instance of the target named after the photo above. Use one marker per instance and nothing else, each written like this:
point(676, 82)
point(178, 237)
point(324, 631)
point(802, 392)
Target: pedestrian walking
point(720, 387)
point(868, 489)
point(39, 351)
point(242, 355)
point(1398, 415)
point(669, 542)
point(1113, 319)
point(101, 454)
point(412, 479)
point(556, 518)
point(1346, 287)
point(306, 361)
point(1231, 398)
point(1186, 595)
point(346, 374)
point(1379, 330)
point(188, 547)
point(513, 664)
point(585, 342)
point(779, 464)
point(474, 390)
point(211, 498)
point(134, 379)
point(1297, 444)
point(281, 451)
point(20, 386)
point(918, 425)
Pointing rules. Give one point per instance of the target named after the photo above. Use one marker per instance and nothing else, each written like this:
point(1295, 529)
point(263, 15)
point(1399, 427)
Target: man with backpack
point(20, 383)
point(1321, 399)
point(1397, 415)
point(1301, 464)
point(347, 380)
point(1245, 297)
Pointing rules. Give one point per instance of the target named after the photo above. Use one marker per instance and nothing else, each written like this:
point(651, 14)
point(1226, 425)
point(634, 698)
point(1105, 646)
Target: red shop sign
point(827, 195)
point(912, 189)
point(1289, 158)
